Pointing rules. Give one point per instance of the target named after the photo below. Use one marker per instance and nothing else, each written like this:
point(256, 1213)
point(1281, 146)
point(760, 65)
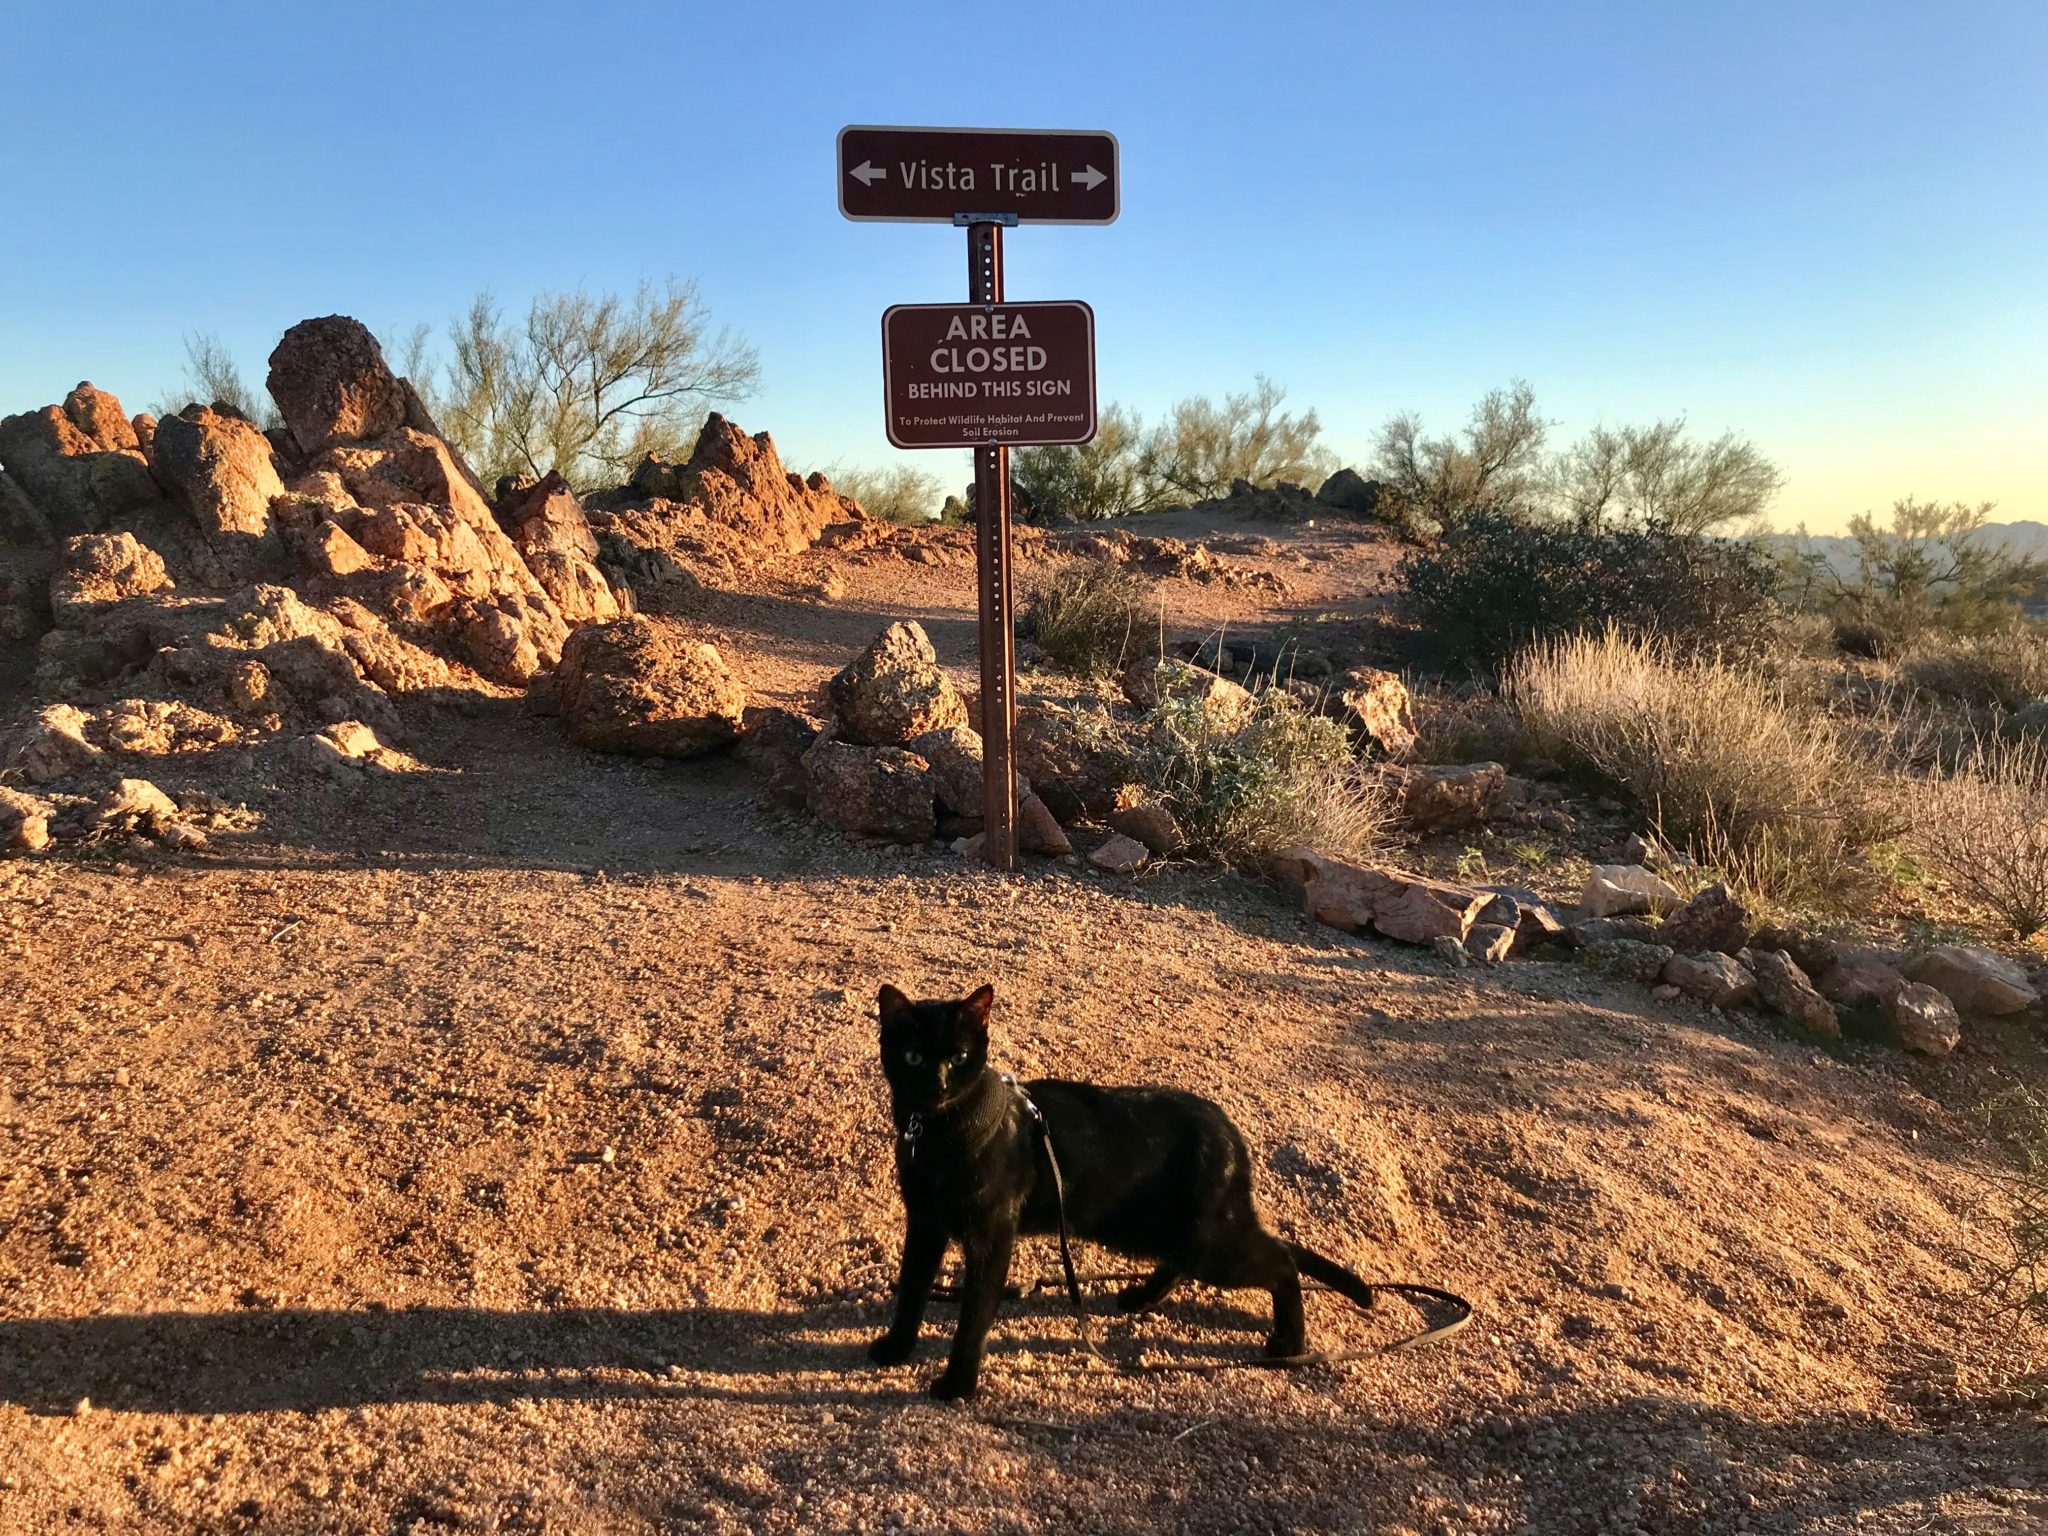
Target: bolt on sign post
point(987, 375)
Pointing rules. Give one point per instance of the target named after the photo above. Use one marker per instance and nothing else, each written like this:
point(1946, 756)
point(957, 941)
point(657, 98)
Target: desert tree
point(1932, 567)
point(1432, 482)
point(212, 377)
point(588, 384)
point(1203, 445)
point(1656, 476)
point(1103, 478)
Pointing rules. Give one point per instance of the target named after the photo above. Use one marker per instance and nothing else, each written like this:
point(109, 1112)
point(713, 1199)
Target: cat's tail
point(1339, 1279)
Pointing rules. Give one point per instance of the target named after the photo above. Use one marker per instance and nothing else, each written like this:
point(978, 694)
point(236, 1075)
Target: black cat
point(1148, 1171)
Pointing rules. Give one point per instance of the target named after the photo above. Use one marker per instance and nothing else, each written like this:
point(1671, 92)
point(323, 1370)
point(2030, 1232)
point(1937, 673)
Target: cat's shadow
point(302, 1359)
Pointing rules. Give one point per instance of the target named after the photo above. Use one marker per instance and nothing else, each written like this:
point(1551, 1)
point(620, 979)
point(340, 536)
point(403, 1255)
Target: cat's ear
point(891, 1003)
point(974, 1011)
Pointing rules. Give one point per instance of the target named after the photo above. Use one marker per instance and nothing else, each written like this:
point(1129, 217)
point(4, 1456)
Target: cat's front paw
point(892, 1349)
point(1279, 1348)
point(953, 1388)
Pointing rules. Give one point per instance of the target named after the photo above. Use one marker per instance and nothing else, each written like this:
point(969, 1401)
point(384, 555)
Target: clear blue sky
point(1825, 226)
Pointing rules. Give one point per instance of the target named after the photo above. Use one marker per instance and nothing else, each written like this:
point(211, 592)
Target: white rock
point(1619, 890)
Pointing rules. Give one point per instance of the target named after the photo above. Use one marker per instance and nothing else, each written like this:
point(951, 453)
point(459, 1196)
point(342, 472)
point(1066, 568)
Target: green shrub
point(1090, 616)
point(1719, 758)
point(1492, 585)
point(1246, 783)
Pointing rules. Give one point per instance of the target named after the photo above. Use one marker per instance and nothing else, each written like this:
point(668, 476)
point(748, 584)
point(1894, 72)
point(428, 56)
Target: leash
point(1462, 1307)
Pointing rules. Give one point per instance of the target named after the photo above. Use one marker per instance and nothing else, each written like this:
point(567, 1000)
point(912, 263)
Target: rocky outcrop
point(637, 686)
point(894, 691)
point(548, 527)
point(1977, 981)
point(98, 415)
point(332, 385)
point(1349, 491)
point(734, 497)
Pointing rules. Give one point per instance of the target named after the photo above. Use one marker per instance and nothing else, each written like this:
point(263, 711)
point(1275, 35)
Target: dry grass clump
point(1090, 616)
point(1983, 828)
point(2018, 1120)
point(1245, 785)
point(2007, 667)
point(1714, 754)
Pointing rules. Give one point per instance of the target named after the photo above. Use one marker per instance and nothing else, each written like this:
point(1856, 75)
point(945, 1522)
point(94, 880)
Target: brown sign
point(935, 174)
point(976, 375)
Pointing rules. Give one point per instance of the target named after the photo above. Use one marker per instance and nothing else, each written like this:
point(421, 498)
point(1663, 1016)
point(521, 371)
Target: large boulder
point(1377, 708)
point(772, 743)
point(956, 763)
point(894, 691)
point(1976, 980)
point(1349, 491)
point(1407, 907)
point(98, 415)
point(1860, 980)
point(548, 527)
point(76, 483)
point(1783, 988)
point(1712, 920)
point(102, 568)
point(221, 466)
point(1924, 1019)
point(636, 686)
point(332, 385)
point(870, 791)
point(1621, 890)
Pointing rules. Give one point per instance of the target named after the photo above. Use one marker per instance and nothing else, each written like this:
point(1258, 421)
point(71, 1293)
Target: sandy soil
point(501, 1148)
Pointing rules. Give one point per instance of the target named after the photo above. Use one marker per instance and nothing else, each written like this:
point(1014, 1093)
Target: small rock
point(1617, 890)
point(54, 745)
point(1816, 953)
point(894, 691)
point(1451, 950)
point(1925, 1020)
point(1491, 943)
point(24, 822)
point(1406, 907)
point(182, 834)
point(1151, 824)
point(1784, 989)
point(136, 804)
point(1664, 992)
point(1443, 798)
point(1860, 980)
point(1627, 959)
point(1120, 856)
point(1713, 919)
point(1038, 831)
point(1718, 980)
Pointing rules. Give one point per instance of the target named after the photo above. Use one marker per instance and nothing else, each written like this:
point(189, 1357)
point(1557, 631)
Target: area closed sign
point(976, 375)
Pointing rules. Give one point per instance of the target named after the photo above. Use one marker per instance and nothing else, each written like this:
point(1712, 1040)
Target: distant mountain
point(2024, 538)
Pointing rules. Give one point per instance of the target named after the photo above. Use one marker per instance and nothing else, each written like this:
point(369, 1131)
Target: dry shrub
point(1090, 616)
point(1716, 755)
point(1983, 828)
point(2018, 1120)
point(1244, 787)
point(2007, 667)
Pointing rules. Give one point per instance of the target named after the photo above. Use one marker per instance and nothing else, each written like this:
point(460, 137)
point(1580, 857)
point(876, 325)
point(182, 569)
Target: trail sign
point(943, 175)
point(981, 375)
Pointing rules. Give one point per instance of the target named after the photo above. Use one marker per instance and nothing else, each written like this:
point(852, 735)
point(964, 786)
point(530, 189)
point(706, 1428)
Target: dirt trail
point(501, 1148)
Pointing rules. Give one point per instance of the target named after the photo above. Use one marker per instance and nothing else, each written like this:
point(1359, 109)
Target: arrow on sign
point(1090, 178)
point(867, 174)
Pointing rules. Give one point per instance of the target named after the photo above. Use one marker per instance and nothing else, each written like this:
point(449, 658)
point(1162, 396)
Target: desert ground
point(500, 1146)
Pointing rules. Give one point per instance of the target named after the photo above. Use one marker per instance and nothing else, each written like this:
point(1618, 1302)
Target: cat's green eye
point(913, 1059)
point(961, 1059)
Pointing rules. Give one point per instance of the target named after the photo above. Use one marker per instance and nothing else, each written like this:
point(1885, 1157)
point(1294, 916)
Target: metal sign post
point(996, 376)
point(992, 573)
